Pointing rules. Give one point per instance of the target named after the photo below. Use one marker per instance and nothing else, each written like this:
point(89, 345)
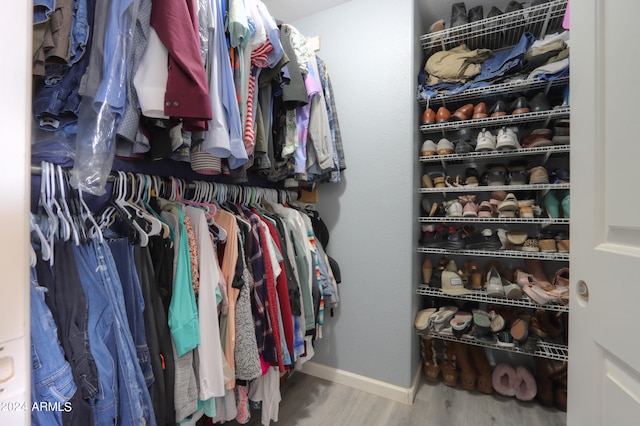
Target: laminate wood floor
point(310, 401)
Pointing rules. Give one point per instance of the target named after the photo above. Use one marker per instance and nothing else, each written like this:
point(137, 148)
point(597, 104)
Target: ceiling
point(290, 10)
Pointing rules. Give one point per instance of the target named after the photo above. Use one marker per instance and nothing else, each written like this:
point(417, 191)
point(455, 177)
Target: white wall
point(368, 46)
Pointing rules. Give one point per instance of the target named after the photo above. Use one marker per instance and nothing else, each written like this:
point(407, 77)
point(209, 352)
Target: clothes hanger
point(45, 248)
point(119, 201)
point(51, 219)
point(65, 227)
point(154, 226)
point(147, 193)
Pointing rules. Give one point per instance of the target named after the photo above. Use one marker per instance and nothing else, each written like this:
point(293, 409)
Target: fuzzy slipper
point(502, 378)
point(524, 385)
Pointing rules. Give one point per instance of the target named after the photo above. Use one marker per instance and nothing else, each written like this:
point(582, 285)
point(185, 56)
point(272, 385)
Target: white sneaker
point(428, 148)
point(445, 146)
point(485, 141)
point(507, 139)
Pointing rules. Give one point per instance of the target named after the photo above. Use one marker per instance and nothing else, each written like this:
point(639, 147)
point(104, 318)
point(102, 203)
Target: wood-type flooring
point(310, 401)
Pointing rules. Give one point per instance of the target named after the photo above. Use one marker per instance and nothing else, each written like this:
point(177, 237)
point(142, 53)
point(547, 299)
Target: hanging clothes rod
point(36, 170)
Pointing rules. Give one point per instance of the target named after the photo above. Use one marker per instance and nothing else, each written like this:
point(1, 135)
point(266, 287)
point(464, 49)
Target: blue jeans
point(122, 253)
point(506, 61)
point(102, 337)
point(135, 402)
point(51, 377)
point(79, 31)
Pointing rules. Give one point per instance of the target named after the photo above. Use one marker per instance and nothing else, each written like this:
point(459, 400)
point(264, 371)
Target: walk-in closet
point(304, 213)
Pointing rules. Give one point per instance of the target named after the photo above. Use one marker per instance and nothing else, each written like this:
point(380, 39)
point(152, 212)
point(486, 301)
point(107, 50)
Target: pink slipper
point(502, 378)
point(525, 384)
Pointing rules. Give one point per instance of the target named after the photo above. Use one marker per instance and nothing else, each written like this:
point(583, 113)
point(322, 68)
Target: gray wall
point(369, 48)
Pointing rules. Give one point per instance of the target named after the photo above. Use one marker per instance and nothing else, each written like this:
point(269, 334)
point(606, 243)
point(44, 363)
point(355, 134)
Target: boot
point(545, 369)
point(430, 360)
point(481, 364)
point(468, 373)
point(449, 365)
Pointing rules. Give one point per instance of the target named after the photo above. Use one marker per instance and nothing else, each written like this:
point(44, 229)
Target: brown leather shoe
point(463, 113)
point(443, 115)
point(428, 117)
point(468, 373)
point(480, 111)
point(539, 137)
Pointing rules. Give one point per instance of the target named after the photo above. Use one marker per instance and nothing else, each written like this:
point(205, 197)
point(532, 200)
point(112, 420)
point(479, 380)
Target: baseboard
point(363, 383)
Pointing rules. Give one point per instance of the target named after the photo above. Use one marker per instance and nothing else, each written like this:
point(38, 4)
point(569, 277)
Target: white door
point(604, 345)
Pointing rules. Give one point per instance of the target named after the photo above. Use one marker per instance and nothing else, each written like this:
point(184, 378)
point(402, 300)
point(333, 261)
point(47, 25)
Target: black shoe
point(515, 23)
point(475, 14)
point(520, 106)
point(459, 14)
point(493, 38)
point(498, 109)
point(539, 103)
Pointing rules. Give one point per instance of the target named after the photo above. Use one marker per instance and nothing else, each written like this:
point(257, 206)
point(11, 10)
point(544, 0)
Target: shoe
point(449, 364)
point(428, 117)
point(463, 147)
point(520, 106)
point(508, 206)
point(561, 132)
point(475, 14)
point(485, 240)
point(514, 21)
point(465, 112)
point(493, 38)
point(468, 373)
point(494, 284)
point(518, 172)
point(445, 147)
point(485, 210)
point(538, 175)
point(426, 180)
point(428, 148)
point(480, 111)
point(482, 366)
point(423, 319)
point(459, 14)
point(546, 241)
point(538, 138)
point(470, 209)
point(496, 174)
point(502, 378)
point(505, 339)
point(539, 103)
point(566, 206)
point(531, 245)
point(552, 205)
point(427, 270)
point(471, 176)
point(430, 360)
point(563, 243)
point(498, 109)
point(507, 139)
point(451, 240)
point(485, 141)
point(461, 323)
point(519, 330)
point(525, 384)
point(481, 323)
point(454, 209)
point(443, 115)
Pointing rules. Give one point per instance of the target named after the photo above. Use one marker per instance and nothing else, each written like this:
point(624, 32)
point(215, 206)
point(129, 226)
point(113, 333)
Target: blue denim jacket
point(505, 61)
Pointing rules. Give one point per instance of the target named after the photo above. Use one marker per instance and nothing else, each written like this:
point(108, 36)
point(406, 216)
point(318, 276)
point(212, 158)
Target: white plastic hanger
point(126, 209)
point(45, 248)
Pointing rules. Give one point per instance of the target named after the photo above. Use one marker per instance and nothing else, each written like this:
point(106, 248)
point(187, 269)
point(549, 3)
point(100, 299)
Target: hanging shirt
point(210, 372)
